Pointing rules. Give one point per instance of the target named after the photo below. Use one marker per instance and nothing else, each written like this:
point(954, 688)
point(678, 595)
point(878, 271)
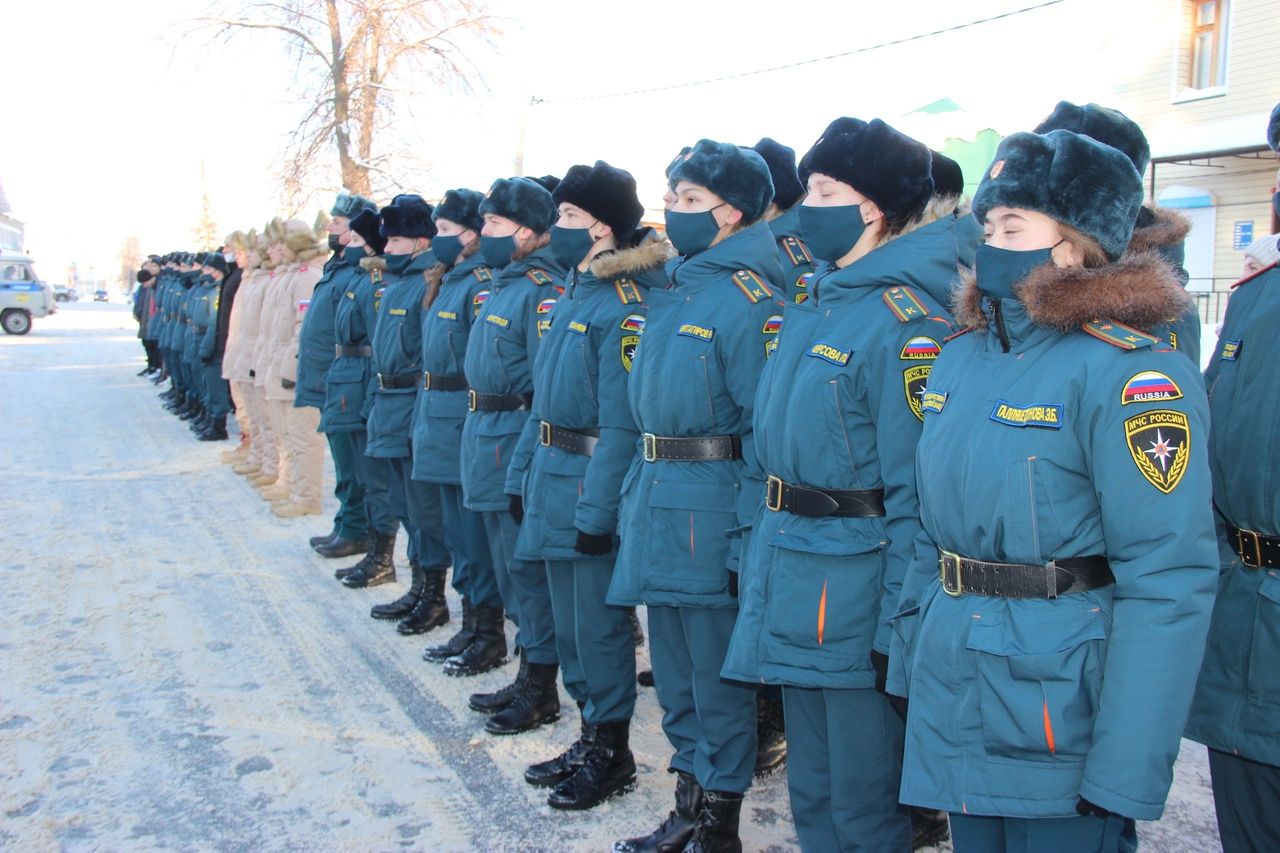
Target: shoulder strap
point(628, 293)
point(904, 304)
point(752, 286)
point(1119, 335)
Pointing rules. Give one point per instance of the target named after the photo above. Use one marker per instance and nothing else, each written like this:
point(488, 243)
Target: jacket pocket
point(1039, 679)
point(688, 545)
point(1264, 674)
point(823, 597)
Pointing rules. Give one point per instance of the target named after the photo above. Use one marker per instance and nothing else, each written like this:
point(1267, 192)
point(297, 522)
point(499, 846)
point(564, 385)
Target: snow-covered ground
point(178, 670)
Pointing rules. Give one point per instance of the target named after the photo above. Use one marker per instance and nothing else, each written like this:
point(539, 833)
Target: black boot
point(673, 833)
point(488, 648)
point(190, 410)
point(400, 608)
point(637, 633)
point(316, 541)
point(928, 828)
point(610, 769)
point(499, 700)
point(216, 431)
point(717, 830)
point(458, 643)
point(771, 732)
point(381, 570)
point(545, 774)
point(364, 563)
point(537, 704)
point(431, 610)
point(340, 546)
point(201, 421)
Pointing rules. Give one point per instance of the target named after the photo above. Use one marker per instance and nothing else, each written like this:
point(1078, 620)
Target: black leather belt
point(443, 382)
point(1256, 550)
point(574, 441)
point(712, 448)
point(821, 503)
point(200, 330)
point(288, 384)
point(961, 575)
point(498, 402)
point(404, 380)
point(339, 351)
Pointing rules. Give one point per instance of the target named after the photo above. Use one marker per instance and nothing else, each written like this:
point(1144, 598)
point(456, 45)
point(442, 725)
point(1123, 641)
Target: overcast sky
point(106, 124)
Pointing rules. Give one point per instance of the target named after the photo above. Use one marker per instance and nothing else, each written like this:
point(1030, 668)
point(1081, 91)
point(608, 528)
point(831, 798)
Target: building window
point(1208, 64)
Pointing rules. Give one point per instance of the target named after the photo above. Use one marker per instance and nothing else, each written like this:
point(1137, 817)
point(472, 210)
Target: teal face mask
point(692, 233)
point(998, 270)
point(397, 264)
point(497, 251)
point(830, 232)
point(353, 255)
point(447, 248)
point(570, 245)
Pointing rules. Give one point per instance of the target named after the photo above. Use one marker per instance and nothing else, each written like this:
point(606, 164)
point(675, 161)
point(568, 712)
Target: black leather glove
point(1084, 808)
point(733, 583)
point(594, 544)
point(516, 509)
point(880, 663)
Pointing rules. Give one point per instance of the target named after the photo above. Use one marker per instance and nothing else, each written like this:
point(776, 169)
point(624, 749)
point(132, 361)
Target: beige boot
point(234, 457)
point(262, 479)
point(293, 510)
point(278, 492)
point(248, 469)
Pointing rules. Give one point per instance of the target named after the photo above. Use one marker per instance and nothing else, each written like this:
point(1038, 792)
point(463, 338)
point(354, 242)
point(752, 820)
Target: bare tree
point(130, 261)
point(358, 59)
point(206, 230)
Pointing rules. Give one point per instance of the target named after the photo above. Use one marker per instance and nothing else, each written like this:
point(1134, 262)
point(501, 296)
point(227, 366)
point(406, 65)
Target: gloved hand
point(593, 544)
point(516, 509)
point(733, 583)
point(1084, 808)
point(880, 663)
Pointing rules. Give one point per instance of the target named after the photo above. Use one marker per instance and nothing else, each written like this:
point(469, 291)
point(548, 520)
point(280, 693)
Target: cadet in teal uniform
point(695, 481)
point(1157, 229)
point(499, 367)
point(836, 423)
point(1236, 712)
point(347, 395)
point(570, 462)
point(1055, 612)
point(456, 288)
point(217, 395)
point(783, 218)
point(317, 342)
point(397, 358)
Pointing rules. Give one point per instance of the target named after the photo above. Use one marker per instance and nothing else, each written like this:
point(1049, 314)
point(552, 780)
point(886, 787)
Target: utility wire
point(535, 100)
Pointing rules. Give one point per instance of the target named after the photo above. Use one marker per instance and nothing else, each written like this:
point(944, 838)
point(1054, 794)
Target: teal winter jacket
point(397, 356)
point(346, 385)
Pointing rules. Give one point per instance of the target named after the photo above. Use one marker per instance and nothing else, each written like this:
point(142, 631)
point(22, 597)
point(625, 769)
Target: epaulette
point(375, 276)
point(539, 277)
point(627, 291)
point(1119, 335)
point(796, 250)
point(904, 304)
point(482, 274)
point(752, 286)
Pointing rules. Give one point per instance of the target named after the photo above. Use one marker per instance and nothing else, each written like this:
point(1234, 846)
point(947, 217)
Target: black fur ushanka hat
point(738, 175)
point(885, 165)
point(606, 192)
point(523, 201)
point(408, 215)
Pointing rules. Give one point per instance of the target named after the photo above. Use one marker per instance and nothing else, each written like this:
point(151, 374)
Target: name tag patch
point(693, 330)
point(1150, 386)
point(933, 401)
point(580, 328)
point(500, 322)
point(1047, 415)
point(447, 315)
point(1231, 350)
point(397, 312)
point(830, 353)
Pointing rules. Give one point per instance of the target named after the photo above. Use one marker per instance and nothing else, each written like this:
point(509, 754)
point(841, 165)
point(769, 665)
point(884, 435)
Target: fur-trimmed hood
point(372, 263)
point(1139, 290)
point(1165, 227)
point(649, 255)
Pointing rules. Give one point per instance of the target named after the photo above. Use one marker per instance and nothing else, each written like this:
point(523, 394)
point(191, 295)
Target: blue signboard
point(1242, 235)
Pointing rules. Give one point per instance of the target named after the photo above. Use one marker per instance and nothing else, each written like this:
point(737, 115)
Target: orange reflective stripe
point(1048, 729)
point(822, 613)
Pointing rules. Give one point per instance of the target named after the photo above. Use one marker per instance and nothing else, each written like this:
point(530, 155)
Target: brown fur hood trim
point(373, 263)
point(1138, 290)
point(1167, 228)
point(646, 256)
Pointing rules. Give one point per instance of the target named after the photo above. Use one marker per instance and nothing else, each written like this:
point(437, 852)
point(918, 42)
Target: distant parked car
point(62, 293)
point(101, 296)
point(22, 295)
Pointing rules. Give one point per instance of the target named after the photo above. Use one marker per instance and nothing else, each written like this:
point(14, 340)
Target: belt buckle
point(471, 400)
point(544, 433)
point(650, 447)
point(380, 385)
point(1257, 547)
point(773, 494)
point(948, 559)
point(426, 380)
